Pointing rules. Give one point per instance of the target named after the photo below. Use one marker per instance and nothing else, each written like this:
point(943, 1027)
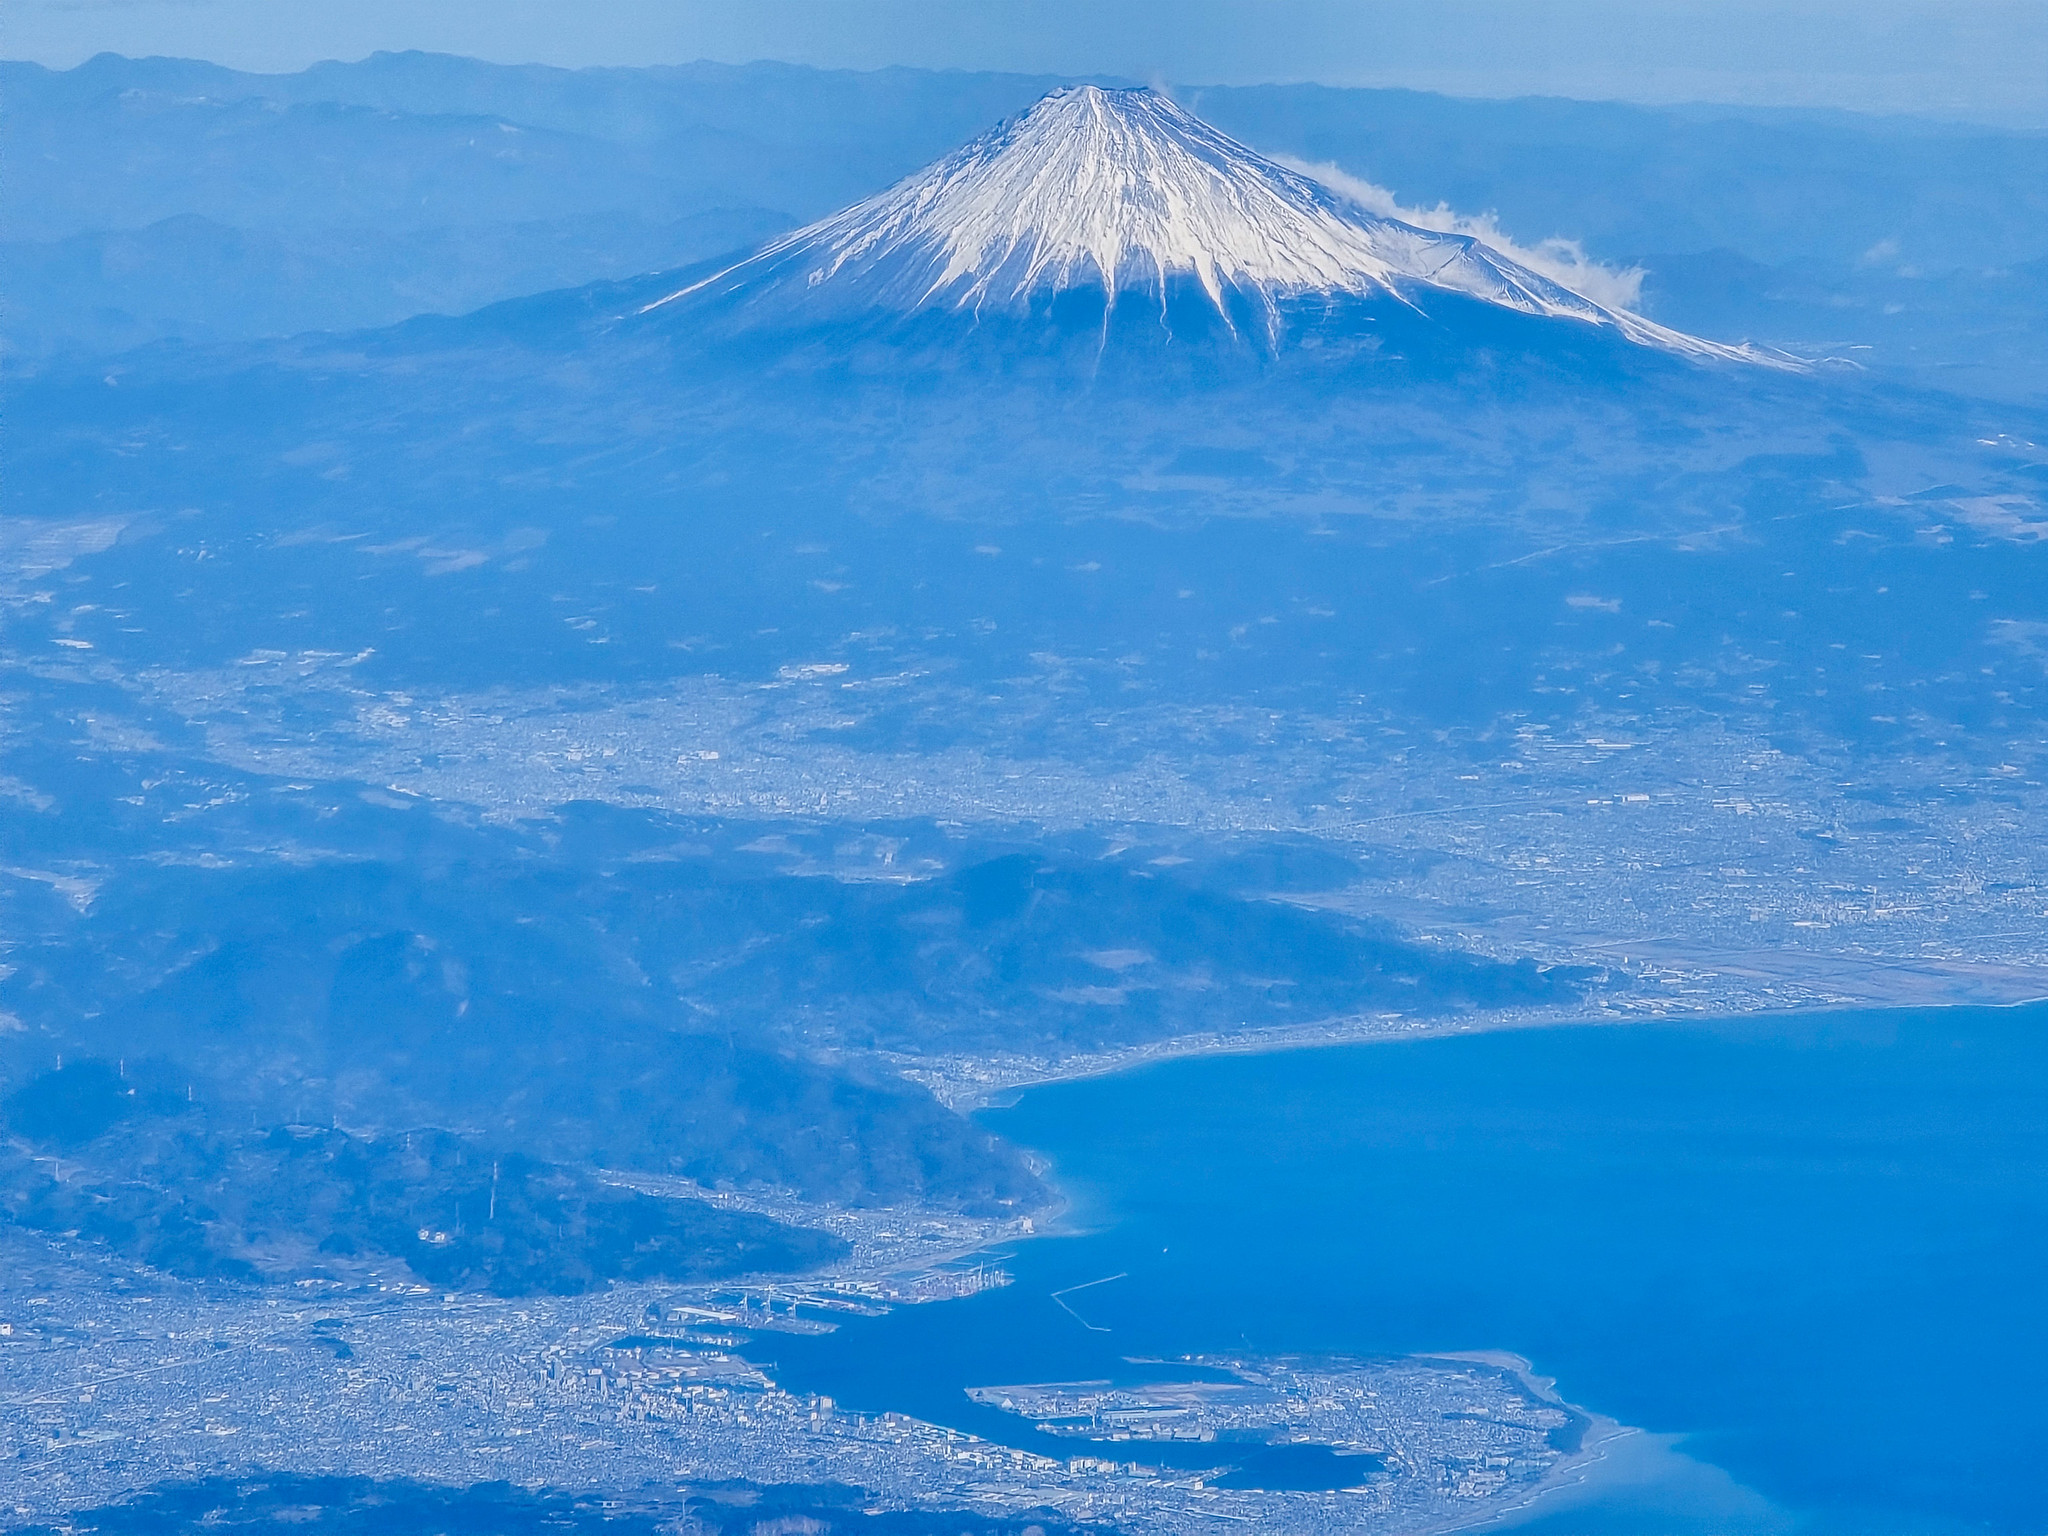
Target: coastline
point(1613, 1460)
point(1579, 1469)
point(966, 1084)
point(898, 1242)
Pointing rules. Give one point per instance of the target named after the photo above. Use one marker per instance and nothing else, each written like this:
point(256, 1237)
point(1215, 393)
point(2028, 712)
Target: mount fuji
point(1104, 336)
point(1095, 200)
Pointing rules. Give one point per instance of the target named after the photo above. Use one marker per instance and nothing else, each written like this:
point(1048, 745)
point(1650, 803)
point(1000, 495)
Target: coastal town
point(117, 1379)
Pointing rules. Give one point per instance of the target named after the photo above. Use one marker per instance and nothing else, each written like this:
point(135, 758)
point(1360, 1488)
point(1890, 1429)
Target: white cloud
point(1562, 261)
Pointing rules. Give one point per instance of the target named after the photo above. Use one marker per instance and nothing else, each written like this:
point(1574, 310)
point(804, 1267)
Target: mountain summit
point(1124, 193)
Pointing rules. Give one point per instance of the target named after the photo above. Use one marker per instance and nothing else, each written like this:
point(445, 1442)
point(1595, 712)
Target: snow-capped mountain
point(1123, 192)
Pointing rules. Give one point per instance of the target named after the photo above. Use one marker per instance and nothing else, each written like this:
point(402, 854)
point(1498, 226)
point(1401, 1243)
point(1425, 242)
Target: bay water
point(1803, 1254)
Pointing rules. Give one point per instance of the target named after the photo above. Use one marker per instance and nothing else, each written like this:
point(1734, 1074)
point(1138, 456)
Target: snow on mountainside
point(1124, 192)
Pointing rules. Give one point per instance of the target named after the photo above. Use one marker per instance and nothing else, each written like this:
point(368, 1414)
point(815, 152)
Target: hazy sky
point(1975, 58)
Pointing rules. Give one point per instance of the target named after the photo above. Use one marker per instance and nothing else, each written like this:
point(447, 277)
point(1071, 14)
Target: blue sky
point(1962, 58)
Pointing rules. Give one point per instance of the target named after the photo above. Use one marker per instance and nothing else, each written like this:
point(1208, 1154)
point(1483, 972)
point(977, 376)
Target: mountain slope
point(1123, 192)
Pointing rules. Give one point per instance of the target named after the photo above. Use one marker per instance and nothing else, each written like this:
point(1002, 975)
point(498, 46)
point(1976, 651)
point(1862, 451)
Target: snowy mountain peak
point(1125, 192)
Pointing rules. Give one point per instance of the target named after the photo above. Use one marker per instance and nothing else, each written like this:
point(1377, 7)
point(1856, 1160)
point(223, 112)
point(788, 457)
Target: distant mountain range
point(160, 197)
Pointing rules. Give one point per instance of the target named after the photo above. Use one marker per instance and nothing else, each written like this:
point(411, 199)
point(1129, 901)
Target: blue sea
point(1807, 1256)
